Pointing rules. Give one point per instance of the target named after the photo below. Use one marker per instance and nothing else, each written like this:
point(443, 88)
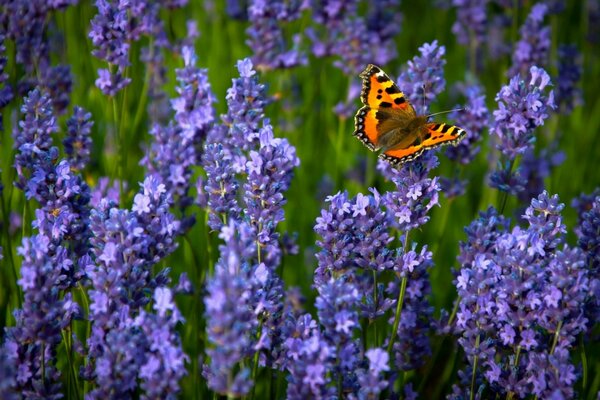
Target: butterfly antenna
point(446, 112)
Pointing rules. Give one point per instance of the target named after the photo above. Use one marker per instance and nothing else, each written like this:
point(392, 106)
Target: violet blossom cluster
point(232, 325)
point(471, 23)
point(533, 49)
point(6, 93)
point(354, 40)
point(523, 105)
point(266, 36)
point(114, 28)
point(78, 143)
point(242, 154)
point(177, 147)
point(588, 239)
point(32, 344)
point(423, 78)
point(126, 245)
point(568, 94)
point(522, 293)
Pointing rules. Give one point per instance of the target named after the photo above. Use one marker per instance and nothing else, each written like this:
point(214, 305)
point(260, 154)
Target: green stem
point(473, 374)
point(504, 194)
point(255, 363)
point(397, 316)
point(9, 252)
point(375, 299)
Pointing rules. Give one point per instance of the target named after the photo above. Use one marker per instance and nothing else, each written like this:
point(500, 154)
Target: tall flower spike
point(32, 344)
point(522, 107)
point(522, 289)
point(265, 34)
point(78, 142)
point(423, 78)
point(231, 322)
point(33, 139)
point(270, 171)
point(568, 93)
point(177, 147)
point(533, 49)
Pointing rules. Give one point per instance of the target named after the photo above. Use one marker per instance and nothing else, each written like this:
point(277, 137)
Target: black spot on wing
point(399, 100)
point(445, 128)
point(382, 78)
point(385, 104)
point(392, 90)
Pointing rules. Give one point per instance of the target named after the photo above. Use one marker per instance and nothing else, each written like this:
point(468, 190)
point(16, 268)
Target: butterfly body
point(388, 122)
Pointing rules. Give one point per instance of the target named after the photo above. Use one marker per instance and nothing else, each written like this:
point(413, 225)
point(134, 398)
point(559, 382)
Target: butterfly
point(388, 122)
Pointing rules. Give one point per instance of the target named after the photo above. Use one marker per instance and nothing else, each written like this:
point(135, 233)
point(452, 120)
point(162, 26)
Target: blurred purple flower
point(588, 235)
point(471, 23)
point(473, 119)
point(230, 315)
point(533, 49)
point(568, 93)
point(265, 34)
point(78, 143)
point(309, 356)
point(370, 380)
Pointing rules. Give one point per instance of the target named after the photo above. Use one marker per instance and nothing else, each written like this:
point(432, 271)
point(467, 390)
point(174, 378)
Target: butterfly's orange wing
point(438, 134)
point(379, 92)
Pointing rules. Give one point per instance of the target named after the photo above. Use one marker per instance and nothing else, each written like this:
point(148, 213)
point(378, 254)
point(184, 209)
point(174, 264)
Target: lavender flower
point(415, 192)
point(473, 119)
point(568, 94)
point(520, 292)
point(78, 143)
point(471, 23)
point(423, 78)
point(126, 245)
point(231, 321)
point(114, 28)
point(220, 186)
point(588, 235)
point(6, 93)
point(246, 100)
point(269, 176)
point(522, 107)
point(31, 345)
point(33, 139)
point(309, 358)
point(337, 305)
point(533, 48)
point(371, 384)
point(177, 147)
point(265, 34)
point(165, 360)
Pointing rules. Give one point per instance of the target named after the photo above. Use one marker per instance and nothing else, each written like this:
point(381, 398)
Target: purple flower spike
point(32, 344)
point(265, 34)
point(523, 105)
point(370, 381)
point(78, 142)
point(270, 172)
point(231, 321)
point(568, 94)
point(33, 139)
point(534, 46)
point(473, 119)
point(423, 78)
point(588, 234)
point(522, 289)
